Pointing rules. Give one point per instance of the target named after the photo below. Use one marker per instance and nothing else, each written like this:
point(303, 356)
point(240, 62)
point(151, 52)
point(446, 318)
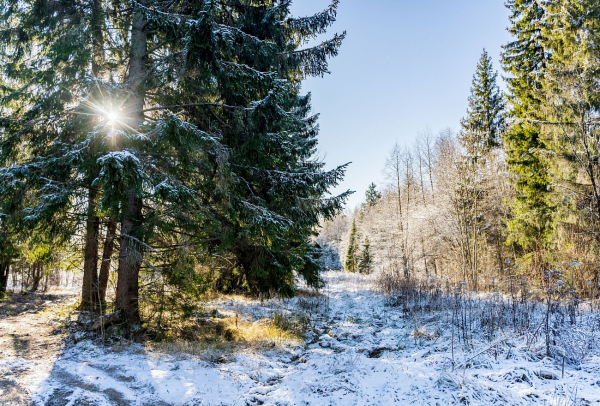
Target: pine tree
point(525, 60)
point(365, 260)
point(372, 195)
point(351, 263)
point(482, 127)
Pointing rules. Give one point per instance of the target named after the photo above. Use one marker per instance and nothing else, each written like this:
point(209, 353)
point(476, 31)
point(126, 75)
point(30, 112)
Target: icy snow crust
point(362, 353)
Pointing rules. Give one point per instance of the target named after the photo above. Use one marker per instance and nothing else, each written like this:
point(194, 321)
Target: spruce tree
point(193, 135)
point(525, 59)
point(372, 195)
point(571, 101)
point(483, 126)
point(351, 263)
point(50, 55)
point(480, 134)
point(365, 260)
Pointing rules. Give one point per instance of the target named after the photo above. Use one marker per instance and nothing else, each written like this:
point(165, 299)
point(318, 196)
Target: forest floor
point(358, 351)
point(29, 345)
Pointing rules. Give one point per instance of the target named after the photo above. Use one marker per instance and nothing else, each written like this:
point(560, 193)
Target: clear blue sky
point(404, 66)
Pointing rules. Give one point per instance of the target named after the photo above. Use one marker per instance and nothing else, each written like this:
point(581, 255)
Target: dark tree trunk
point(89, 288)
point(46, 279)
point(109, 244)
point(37, 273)
point(130, 260)
point(90, 297)
point(131, 250)
point(97, 38)
point(4, 270)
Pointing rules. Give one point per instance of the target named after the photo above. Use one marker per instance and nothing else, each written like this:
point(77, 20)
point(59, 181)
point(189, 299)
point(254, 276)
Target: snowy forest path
point(361, 349)
point(30, 342)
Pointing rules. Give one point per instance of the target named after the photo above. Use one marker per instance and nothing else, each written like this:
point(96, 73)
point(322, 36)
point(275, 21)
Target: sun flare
point(112, 117)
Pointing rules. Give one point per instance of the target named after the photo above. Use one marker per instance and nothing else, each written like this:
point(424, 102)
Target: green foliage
point(484, 124)
point(372, 195)
point(351, 263)
point(531, 226)
point(525, 59)
point(365, 260)
point(215, 146)
point(551, 147)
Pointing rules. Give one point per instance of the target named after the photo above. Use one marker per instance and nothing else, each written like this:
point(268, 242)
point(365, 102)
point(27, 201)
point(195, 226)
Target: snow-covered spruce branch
point(254, 105)
point(175, 106)
point(313, 61)
point(267, 216)
point(250, 71)
point(139, 243)
point(591, 123)
point(316, 24)
point(165, 17)
point(230, 31)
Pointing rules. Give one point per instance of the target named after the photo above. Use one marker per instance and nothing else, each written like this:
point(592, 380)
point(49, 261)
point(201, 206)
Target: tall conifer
point(372, 195)
point(482, 127)
point(571, 102)
point(525, 59)
point(480, 134)
point(365, 260)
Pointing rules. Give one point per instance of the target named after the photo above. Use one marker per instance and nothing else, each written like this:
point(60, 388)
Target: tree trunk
point(90, 297)
point(475, 259)
point(130, 251)
point(89, 288)
point(4, 270)
point(37, 273)
point(130, 260)
point(97, 39)
point(23, 282)
point(109, 244)
point(46, 279)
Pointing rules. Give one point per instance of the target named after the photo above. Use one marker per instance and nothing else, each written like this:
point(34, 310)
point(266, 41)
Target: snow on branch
point(314, 25)
point(313, 61)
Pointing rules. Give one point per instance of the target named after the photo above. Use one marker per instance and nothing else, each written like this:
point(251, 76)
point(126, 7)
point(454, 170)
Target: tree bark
point(46, 279)
point(130, 260)
point(89, 288)
point(37, 273)
point(130, 251)
point(90, 297)
point(109, 244)
point(97, 39)
point(4, 270)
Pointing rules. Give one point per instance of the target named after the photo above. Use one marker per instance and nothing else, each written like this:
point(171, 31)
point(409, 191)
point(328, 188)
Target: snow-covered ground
point(362, 353)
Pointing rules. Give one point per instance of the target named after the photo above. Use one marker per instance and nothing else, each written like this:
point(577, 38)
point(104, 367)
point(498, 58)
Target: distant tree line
point(516, 191)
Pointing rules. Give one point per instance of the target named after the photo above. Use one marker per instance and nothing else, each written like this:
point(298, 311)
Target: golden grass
point(212, 337)
point(212, 296)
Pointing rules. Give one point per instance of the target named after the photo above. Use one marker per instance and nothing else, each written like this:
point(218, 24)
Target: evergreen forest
point(172, 233)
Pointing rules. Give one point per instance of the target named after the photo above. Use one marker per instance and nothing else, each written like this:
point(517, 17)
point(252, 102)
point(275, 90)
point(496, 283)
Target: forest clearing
point(359, 348)
point(171, 235)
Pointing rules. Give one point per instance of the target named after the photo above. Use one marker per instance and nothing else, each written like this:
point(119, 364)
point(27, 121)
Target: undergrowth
point(554, 320)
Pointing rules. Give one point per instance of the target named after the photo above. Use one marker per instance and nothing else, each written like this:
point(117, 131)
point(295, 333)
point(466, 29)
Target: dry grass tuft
point(211, 336)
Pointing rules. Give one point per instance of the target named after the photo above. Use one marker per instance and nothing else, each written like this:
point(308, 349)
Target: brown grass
point(211, 337)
